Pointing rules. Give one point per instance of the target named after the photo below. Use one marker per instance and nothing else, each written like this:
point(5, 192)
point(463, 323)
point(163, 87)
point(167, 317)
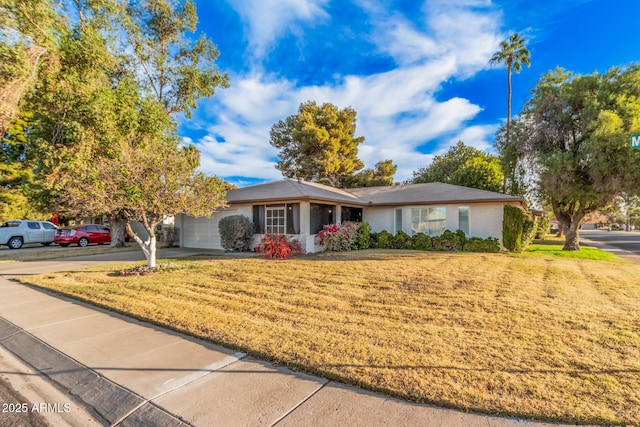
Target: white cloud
point(267, 20)
point(398, 112)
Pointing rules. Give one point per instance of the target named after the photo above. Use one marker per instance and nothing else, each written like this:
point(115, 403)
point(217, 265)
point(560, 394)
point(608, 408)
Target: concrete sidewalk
point(128, 373)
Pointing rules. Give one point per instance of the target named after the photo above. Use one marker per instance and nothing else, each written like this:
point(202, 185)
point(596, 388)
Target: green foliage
point(513, 228)
point(463, 165)
point(179, 69)
point(236, 232)
point(102, 129)
point(476, 244)
point(13, 62)
point(421, 242)
point(402, 241)
point(577, 141)
point(449, 241)
point(382, 175)
point(529, 227)
point(363, 240)
point(542, 227)
point(279, 246)
point(384, 240)
point(318, 144)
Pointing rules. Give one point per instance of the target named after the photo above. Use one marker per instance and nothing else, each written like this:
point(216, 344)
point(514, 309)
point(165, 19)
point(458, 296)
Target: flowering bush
point(339, 238)
point(279, 246)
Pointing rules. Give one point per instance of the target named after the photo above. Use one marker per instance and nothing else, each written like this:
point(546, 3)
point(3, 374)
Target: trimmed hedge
point(447, 241)
point(401, 241)
point(421, 242)
point(476, 244)
point(235, 233)
point(512, 228)
point(363, 241)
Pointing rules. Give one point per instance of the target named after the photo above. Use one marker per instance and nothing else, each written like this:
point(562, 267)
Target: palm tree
point(513, 53)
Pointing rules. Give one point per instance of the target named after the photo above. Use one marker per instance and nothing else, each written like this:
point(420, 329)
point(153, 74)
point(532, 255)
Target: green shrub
point(279, 246)
point(235, 233)
point(421, 242)
point(543, 227)
point(373, 241)
point(401, 241)
point(363, 240)
point(529, 226)
point(384, 240)
point(512, 227)
point(476, 244)
point(449, 241)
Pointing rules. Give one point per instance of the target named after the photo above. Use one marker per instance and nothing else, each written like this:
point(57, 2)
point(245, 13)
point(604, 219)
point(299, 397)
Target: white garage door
point(203, 232)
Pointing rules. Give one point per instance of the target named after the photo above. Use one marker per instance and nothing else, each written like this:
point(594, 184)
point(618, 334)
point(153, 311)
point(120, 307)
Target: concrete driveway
point(126, 372)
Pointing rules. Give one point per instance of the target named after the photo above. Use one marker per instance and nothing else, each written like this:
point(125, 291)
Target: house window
point(351, 214)
point(430, 221)
point(463, 219)
point(398, 220)
point(275, 219)
point(321, 215)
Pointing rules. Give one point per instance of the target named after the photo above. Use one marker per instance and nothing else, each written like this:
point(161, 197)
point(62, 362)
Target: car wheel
point(64, 245)
point(46, 243)
point(15, 243)
point(83, 242)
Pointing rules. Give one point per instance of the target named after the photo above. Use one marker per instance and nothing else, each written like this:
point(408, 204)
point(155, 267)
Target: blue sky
point(416, 72)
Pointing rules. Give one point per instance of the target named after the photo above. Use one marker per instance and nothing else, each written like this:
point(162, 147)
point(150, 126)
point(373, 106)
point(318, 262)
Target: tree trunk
point(117, 227)
point(504, 178)
point(572, 241)
point(148, 246)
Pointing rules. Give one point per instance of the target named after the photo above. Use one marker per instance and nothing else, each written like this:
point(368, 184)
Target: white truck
point(19, 232)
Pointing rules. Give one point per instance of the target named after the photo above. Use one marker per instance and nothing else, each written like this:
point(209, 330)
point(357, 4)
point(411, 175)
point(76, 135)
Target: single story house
point(300, 209)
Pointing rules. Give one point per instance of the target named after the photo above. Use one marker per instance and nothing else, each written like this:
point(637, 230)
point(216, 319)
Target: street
point(622, 240)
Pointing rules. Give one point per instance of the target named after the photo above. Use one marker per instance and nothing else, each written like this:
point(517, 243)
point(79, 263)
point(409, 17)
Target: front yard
point(533, 336)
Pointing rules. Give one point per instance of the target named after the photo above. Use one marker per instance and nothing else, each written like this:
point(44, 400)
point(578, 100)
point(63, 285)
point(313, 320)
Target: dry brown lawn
point(539, 337)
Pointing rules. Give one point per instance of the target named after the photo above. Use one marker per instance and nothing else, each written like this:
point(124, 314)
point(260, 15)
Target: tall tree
point(173, 67)
point(578, 142)
point(176, 69)
point(28, 31)
point(106, 139)
point(513, 54)
point(463, 165)
point(379, 176)
point(318, 144)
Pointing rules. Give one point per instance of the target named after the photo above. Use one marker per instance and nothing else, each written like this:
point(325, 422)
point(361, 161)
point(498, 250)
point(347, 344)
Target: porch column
point(305, 218)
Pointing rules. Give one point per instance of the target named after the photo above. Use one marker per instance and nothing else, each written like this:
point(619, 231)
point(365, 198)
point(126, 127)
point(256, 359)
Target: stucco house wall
point(378, 207)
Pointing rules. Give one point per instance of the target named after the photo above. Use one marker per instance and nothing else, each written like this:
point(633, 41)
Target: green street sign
point(635, 141)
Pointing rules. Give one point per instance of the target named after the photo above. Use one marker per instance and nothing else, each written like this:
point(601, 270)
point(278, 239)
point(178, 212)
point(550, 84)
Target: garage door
point(203, 232)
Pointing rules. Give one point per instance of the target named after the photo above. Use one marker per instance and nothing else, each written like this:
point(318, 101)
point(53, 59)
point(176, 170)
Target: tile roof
point(430, 193)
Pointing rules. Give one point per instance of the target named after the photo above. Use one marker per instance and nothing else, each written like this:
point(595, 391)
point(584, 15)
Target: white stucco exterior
point(485, 220)
point(287, 205)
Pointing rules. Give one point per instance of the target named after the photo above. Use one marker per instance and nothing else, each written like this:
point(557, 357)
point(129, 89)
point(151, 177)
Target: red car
point(83, 235)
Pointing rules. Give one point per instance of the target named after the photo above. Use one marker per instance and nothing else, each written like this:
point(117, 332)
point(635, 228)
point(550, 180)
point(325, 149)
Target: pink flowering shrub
point(279, 246)
point(340, 237)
